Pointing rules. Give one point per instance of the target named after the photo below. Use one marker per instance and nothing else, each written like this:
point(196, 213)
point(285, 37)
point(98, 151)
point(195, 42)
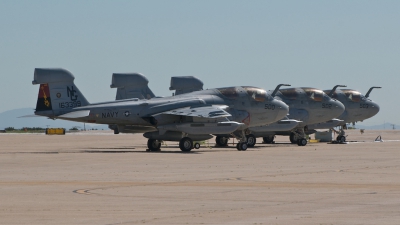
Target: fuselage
point(310, 105)
point(357, 106)
point(248, 105)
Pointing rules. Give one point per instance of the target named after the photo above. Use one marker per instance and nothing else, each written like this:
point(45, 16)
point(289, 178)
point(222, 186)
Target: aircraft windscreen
point(289, 93)
point(314, 94)
point(229, 92)
point(258, 94)
point(352, 95)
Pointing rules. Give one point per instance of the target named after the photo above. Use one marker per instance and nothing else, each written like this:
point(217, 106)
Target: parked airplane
point(306, 105)
point(183, 118)
point(357, 108)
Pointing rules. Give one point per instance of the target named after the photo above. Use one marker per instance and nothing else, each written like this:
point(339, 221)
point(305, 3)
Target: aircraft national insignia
point(58, 95)
point(127, 113)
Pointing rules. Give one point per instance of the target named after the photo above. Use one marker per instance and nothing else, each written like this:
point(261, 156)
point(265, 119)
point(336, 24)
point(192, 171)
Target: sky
point(224, 43)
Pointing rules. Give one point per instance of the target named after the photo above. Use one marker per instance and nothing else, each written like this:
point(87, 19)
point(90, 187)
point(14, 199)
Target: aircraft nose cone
point(282, 108)
point(374, 109)
point(337, 108)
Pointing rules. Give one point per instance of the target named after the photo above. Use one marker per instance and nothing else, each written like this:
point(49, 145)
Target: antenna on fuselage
point(277, 89)
point(334, 89)
point(369, 91)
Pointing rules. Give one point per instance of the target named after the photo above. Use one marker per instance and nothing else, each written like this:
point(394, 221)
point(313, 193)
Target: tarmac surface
point(102, 178)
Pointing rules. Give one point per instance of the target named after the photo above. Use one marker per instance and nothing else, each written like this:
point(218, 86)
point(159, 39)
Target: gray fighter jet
point(357, 108)
point(184, 118)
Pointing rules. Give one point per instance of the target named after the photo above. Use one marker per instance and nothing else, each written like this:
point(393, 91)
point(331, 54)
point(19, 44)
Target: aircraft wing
point(205, 111)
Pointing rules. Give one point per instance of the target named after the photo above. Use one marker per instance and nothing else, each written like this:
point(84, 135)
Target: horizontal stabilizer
point(29, 116)
point(205, 111)
point(76, 114)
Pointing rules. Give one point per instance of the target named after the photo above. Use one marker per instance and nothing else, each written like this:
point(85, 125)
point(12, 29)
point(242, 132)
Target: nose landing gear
point(299, 137)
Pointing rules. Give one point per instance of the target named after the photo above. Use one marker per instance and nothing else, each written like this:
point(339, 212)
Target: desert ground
point(96, 177)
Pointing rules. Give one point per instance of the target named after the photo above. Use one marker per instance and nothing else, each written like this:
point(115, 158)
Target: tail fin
point(57, 92)
point(185, 84)
point(131, 85)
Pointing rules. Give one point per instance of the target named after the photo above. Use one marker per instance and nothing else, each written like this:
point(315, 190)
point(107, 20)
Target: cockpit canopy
point(313, 93)
point(289, 93)
point(257, 94)
point(352, 95)
point(229, 92)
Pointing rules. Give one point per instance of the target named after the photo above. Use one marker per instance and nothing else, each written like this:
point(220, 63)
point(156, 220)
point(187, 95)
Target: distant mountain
point(9, 119)
point(385, 126)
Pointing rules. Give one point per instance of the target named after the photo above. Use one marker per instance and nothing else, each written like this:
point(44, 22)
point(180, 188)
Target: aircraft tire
point(269, 139)
point(293, 138)
point(153, 145)
point(221, 141)
point(238, 147)
point(341, 139)
point(302, 142)
point(186, 144)
point(251, 140)
point(197, 146)
point(243, 146)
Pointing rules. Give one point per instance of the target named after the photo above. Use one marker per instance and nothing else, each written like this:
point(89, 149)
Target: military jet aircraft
point(136, 83)
point(183, 118)
point(306, 105)
point(357, 108)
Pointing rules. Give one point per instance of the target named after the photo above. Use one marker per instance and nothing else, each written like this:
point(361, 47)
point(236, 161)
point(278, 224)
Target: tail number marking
point(64, 105)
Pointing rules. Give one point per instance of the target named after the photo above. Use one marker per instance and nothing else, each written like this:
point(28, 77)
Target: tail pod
point(57, 92)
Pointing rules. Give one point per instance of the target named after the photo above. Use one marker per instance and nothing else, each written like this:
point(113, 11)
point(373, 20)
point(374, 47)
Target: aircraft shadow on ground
point(167, 149)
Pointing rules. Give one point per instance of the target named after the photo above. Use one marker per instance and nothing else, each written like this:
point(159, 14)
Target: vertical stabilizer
point(57, 92)
point(185, 84)
point(131, 85)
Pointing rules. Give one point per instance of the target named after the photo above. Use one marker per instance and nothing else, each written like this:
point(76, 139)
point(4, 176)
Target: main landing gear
point(186, 144)
point(221, 141)
point(154, 145)
point(251, 140)
point(269, 139)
